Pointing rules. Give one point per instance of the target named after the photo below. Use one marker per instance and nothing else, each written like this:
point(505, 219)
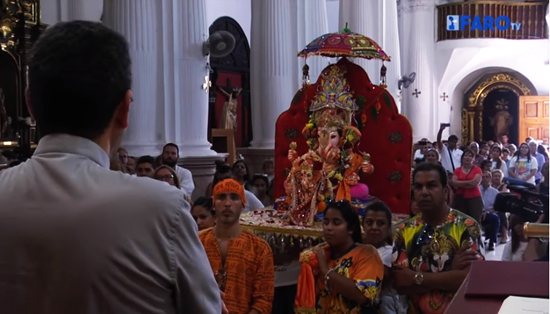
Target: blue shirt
point(540, 162)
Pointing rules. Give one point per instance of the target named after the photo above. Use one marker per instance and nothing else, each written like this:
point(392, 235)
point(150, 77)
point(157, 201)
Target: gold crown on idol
point(333, 92)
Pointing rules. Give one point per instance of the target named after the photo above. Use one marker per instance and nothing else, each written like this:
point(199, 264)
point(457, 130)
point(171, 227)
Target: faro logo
point(487, 23)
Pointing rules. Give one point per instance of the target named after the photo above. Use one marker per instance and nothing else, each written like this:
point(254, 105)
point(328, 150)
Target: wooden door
point(534, 118)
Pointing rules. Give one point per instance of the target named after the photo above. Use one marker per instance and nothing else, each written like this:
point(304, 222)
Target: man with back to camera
point(76, 237)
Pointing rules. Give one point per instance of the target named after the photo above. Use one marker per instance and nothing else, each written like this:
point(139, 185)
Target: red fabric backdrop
point(242, 121)
point(386, 136)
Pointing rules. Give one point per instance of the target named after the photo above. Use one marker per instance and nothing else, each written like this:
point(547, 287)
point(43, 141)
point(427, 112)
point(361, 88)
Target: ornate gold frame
point(472, 113)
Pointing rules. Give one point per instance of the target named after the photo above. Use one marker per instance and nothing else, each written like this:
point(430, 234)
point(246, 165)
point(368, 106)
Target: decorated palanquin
point(340, 136)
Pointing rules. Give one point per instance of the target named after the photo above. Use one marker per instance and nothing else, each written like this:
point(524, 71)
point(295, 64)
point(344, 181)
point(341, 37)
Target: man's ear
point(122, 114)
point(28, 101)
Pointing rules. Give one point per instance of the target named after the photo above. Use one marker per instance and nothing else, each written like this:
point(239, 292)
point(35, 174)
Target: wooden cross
point(444, 97)
point(416, 93)
point(207, 84)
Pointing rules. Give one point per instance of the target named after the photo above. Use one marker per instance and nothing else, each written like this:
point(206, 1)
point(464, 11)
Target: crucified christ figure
point(229, 113)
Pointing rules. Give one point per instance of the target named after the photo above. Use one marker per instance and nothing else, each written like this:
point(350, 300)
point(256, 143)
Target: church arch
point(231, 72)
point(476, 113)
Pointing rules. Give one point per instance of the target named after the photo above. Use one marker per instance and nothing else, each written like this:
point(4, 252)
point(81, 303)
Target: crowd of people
point(478, 172)
point(81, 230)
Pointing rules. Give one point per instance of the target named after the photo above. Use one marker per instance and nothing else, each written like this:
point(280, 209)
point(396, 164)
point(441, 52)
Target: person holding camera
point(450, 154)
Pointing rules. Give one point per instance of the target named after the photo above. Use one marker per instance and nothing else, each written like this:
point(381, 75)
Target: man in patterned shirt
point(242, 262)
point(433, 250)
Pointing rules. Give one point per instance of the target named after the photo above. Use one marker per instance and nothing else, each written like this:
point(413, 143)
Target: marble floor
point(495, 255)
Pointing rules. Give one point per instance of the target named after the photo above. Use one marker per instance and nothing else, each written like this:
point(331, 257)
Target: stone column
point(190, 106)
point(418, 102)
point(361, 18)
point(311, 22)
point(377, 19)
point(272, 70)
point(137, 21)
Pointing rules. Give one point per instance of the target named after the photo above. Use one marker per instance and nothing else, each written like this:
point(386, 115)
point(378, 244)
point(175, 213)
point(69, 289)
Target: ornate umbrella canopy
point(344, 44)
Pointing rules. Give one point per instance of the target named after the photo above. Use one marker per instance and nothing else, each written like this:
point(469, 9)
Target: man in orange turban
point(242, 262)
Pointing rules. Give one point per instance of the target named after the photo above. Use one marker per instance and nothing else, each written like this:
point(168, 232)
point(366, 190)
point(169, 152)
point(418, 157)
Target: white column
point(272, 68)
point(376, 19)
point(190, 99)
point(89, 10)
point(137, 21)
point(361, 17)
point(418, 19)
point(311, 22)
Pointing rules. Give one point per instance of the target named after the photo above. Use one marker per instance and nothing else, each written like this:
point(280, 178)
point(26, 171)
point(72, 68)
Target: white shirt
point(76, 237)
point(488, 196)
point(522, 168)
point(502, 168)
point(456, 154)
point(418, 154)
point(252, 202)
point(517, 256)
point(186, 180)
point(386, 254)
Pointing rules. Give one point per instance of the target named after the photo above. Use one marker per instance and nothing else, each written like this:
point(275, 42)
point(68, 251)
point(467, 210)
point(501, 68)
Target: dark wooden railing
point(530, 15)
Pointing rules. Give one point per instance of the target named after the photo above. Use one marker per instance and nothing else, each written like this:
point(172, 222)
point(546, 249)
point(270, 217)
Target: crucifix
point(444, 97)
point(229, 113)
point(416, 93)
point(207, 84)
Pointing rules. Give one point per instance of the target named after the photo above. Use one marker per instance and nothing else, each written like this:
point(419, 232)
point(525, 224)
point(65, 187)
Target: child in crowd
point(203, 213)
point(377, 227)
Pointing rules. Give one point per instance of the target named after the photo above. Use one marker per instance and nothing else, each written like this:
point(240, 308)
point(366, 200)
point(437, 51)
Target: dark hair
point(485, 163)
point(205, 202)
point(452, 138)
point(542, 150)
point(219, 170)
point(79, 74)
point(350, 216)
point(498, 160)
point(518, 152)
point(171, 145)
point(467, 151)
point(426, 167)
point(379, 206)
point(261, 177)
point(505, 150)
point(146, 160)
point(247, 176)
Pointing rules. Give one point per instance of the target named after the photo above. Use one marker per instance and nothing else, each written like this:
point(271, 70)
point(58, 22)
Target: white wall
point(239, 10)
point(53, 11)
point(333, 13)
point(460, 63)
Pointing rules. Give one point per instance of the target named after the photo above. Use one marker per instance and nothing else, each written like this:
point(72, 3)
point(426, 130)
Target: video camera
point(529, 205)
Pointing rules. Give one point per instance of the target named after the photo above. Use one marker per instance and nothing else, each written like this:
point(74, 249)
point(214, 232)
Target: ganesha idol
point(329, 170)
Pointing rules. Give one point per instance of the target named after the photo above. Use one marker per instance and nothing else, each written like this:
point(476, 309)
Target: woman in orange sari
point(347, 274)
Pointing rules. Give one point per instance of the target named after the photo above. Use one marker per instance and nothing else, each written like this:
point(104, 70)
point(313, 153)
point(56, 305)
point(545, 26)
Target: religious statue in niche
point(502, 120)
point(229, 113)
